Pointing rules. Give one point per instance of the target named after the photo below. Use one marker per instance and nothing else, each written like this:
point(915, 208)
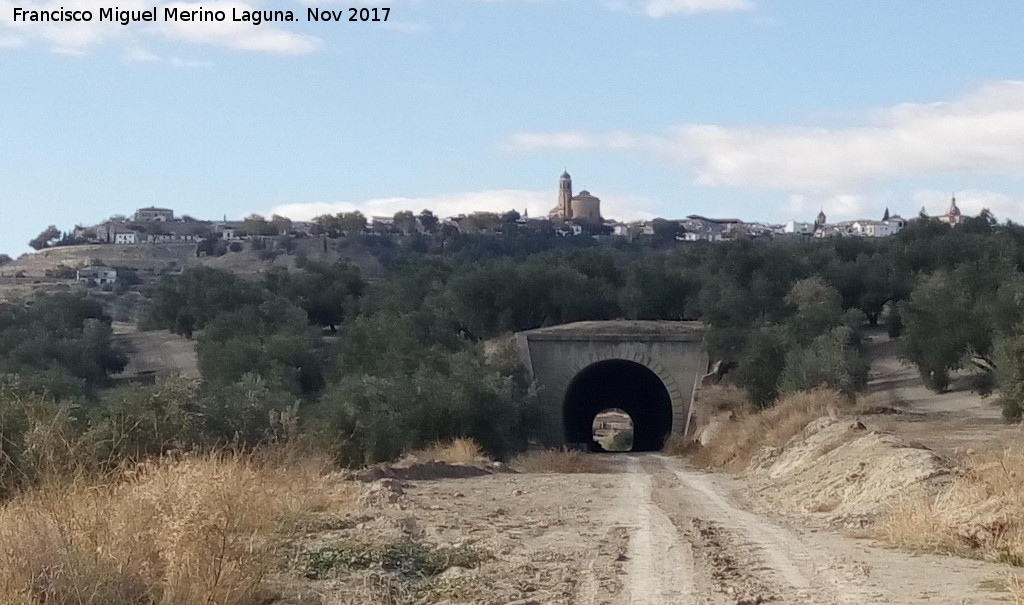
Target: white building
point(126, 237)
point(154, 215)
point(96, 275)
point(878, 228)
point(798, 228)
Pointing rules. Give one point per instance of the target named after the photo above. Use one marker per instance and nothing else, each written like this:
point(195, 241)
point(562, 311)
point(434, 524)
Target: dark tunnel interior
point(622, 384)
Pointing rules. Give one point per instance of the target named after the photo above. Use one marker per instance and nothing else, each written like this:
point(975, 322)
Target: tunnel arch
point(618, 383)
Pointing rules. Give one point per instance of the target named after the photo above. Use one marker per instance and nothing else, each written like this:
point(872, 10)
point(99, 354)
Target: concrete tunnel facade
point(646, 368)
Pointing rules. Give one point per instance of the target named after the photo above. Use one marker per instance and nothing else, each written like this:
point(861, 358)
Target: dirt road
point(688, 542)
point(650, 531)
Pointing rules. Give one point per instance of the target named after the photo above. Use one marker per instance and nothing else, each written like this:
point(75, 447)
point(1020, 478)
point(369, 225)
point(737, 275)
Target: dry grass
point(197, 530)
point(741, 438)
point(559, 461)
point(1015, 586)
point(715, 404)
point(457, 451)
point(678, 445)
point(724, 398)
point(981, 514)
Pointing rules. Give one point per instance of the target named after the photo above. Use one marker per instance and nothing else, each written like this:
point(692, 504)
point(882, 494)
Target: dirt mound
point(838, 467)
point(409, 470)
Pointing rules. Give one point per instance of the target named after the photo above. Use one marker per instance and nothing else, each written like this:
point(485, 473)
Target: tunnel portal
point(626, 385)
point(646, 368)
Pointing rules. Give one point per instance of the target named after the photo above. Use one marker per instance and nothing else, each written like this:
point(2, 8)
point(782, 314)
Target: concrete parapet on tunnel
point(647, 368)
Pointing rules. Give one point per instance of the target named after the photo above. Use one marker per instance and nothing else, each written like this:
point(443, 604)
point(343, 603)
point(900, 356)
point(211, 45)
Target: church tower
point(565, 196)
point(953, 216)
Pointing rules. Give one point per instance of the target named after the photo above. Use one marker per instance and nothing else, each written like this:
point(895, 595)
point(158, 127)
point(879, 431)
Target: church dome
point(586, 207)
point(565, 175)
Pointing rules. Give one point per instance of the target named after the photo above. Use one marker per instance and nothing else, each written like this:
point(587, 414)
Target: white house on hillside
point(798, 228)
point(99, 276)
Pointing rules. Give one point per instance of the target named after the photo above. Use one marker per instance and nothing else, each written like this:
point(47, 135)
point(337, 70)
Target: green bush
point(403, 556)
point(364, 418)
point(830, 360)
point(38, 436)
point(1009, 354)
point(136, 422)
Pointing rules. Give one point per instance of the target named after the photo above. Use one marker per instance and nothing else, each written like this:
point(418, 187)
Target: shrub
point(403, 556)
point(830, 361)
point(981, 514)
point(199, 530)
point(559, 461)
point(62, 272)
point(762, 363)
point(456, 451)
point(136, 422)
point(366, 418)
point(1009, 354)
point(724, 398)
point(893, 320)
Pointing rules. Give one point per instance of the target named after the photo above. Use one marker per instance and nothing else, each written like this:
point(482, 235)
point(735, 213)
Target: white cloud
point(537, 203)
point(237, 35)
point(75, 38)
point(982, 132)
point(442, 205)
point(664, 8)
point(577, 140)
point(836, 207)
point(70, 38)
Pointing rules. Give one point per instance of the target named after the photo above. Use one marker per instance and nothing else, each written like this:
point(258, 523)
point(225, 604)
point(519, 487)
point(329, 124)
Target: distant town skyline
point(765, 110)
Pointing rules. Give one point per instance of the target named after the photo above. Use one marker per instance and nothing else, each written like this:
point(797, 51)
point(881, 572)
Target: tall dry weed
point(724, 398)
point(1015, 586)
point(740, 439)
point(980, 514)
point(559, 461)
point(457, 451)
point(197, 530)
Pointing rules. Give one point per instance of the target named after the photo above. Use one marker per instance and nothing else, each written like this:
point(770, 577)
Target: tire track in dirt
point(659, 567)
point(600, 579)
point(751, 559)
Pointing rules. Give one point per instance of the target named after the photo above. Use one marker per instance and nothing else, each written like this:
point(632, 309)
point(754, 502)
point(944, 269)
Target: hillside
point(151, 259)
point(144, 258)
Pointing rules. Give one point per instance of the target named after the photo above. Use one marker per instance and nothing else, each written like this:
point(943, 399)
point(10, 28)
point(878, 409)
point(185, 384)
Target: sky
point(765, 110)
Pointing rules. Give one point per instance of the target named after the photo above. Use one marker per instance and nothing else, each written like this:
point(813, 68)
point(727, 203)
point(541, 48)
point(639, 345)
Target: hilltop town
point(574, 215)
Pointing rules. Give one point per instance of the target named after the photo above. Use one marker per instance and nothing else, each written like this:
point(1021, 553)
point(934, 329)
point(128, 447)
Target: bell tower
point(565, 196)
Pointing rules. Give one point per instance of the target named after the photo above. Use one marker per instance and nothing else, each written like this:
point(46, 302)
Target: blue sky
point(759, 109)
